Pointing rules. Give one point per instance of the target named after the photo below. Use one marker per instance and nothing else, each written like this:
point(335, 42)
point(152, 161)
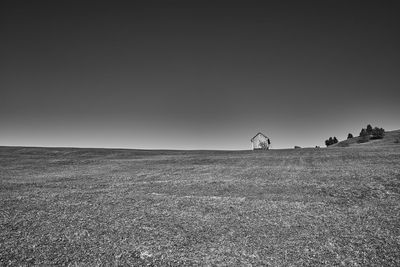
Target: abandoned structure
point(260, 141)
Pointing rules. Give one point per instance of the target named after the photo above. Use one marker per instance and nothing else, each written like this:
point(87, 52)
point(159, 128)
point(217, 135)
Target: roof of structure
point(251, 140)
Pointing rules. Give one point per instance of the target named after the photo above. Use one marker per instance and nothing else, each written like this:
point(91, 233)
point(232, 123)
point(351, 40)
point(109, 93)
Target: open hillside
point(115, 207)
point(391, 138)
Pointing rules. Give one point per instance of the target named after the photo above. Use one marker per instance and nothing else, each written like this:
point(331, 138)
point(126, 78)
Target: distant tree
point(363, 132)
point(364, 136)
point(331, 141)
point(349, 136)
point(369, 129)
point(371, 133)
point(378, 133)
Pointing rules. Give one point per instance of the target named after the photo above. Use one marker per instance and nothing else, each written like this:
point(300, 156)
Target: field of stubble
point(110, 207)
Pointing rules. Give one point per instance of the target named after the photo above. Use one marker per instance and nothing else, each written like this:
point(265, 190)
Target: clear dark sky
point(196, 74)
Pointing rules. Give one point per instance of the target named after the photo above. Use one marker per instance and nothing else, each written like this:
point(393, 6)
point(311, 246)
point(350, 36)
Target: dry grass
point(98, 207)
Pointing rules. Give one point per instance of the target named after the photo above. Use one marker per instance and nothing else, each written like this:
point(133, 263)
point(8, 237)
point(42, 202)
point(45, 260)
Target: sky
point(196, 74)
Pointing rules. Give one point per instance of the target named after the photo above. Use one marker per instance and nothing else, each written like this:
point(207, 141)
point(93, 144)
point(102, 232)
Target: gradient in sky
point(196, 74)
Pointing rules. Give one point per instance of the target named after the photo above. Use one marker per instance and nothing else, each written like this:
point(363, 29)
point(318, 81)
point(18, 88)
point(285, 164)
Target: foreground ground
point(307, 207)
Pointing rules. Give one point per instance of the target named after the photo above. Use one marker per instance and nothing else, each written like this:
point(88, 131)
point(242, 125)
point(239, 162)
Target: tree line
point(371, 133)
point(365, 135)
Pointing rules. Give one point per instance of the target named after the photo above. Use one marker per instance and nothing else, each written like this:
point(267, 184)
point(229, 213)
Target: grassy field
point(113, 207)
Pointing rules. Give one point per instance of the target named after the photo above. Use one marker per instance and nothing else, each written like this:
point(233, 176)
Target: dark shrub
point(363, 132)
point(369, 129)
point(331, 141)
point(378, 133)
point(349, 136)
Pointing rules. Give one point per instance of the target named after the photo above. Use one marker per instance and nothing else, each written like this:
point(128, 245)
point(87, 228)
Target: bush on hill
point(378, 133)
point(371, 133)
point(363, 132)
point(369, 129)
point(349, 136)
point(331, 141)
point(364, 136)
